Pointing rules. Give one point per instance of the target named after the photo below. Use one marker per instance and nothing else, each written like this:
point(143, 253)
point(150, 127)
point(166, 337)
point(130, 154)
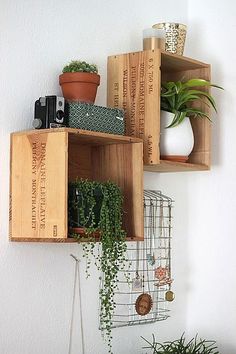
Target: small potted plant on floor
point(79, 81)
point(181, 346)
point(96, 209)
point(177, 100)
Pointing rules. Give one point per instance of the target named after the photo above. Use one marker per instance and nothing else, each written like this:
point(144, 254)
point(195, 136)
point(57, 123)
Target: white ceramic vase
point(176, 143)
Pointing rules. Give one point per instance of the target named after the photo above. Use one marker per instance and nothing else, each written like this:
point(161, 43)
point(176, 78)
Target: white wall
point(36, 280)
point(212, 196)
point(36, 40)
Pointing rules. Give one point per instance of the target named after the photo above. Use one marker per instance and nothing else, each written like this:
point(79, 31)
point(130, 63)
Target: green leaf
point(112, 254)
point(200, 82)
point(206, 95)
point(194, 112)
point(177, 97)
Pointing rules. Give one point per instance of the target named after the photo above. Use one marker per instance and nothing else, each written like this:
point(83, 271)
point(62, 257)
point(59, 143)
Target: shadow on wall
point(175, 185)
point(225, 349)
point(199, 52)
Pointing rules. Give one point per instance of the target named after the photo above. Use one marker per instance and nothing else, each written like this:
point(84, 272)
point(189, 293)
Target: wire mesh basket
point(144, 299)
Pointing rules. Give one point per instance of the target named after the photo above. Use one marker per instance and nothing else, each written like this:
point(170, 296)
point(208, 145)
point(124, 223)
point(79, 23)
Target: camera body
point(50, 112)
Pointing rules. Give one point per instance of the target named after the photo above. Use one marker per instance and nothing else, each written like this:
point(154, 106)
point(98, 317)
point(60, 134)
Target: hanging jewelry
point(144, 301)
point(169, 295)
point(162, 274)
point(151, 256)
point(137, 281)
point(143, 304)
point(76, 278)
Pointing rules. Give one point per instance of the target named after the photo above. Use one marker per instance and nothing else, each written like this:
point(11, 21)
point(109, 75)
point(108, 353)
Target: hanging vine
point(106, 219)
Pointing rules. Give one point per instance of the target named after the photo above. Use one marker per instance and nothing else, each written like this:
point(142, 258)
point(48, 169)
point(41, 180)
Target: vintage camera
point(50, 112)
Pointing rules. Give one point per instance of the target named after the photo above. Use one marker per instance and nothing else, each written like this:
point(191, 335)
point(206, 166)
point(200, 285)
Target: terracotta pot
point(79, 86)
point(176, 143)
point(80, 231)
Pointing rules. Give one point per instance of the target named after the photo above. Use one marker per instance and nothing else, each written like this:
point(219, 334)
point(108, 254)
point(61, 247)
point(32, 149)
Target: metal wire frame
point(145, 260)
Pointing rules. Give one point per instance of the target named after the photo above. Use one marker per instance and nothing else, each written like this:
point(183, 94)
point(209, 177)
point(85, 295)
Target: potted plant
point(84, 206)
point(79, 81)
point(177, 100)
point(97, 208)
point(181, 346)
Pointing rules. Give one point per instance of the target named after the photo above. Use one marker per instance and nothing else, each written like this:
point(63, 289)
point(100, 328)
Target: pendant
point(151, 259)
point(169, 295)
point(143, 304)
point(137, 283)
point(162, 275)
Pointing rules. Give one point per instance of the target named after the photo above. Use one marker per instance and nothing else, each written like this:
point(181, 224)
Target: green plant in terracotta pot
point(79, 81)
point(181, 346)
point(177, 99)
point(95, 210)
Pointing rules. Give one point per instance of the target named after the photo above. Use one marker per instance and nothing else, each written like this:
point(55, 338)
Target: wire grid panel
point(149, 265)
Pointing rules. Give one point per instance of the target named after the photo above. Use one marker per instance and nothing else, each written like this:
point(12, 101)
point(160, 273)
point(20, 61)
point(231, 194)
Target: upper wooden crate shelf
point(134, 84)
point(44, 161)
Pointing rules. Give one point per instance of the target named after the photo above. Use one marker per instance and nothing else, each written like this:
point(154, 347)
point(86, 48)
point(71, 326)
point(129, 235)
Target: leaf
point(205, 94)
point(200, 82)
point(180, 346)
point(178, 118)
point(197, 82)
point(176, 97)
point(194, 112)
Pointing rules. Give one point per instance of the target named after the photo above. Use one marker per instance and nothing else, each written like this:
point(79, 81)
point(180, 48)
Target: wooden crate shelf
point(134, 83)
point(44, 161)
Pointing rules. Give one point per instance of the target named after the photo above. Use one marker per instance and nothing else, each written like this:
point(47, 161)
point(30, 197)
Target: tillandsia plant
point(181, 346)
point(80, 66)
point(107, 221)
point(176, 98)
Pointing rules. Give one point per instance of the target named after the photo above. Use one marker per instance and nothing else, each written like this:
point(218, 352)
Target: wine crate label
point(134, 86)
point(38, 182)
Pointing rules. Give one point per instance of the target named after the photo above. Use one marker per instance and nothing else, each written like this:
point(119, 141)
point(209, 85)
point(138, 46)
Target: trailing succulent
point(80, 66)
point(108, 224)
point(176, 96)
point(181, 346)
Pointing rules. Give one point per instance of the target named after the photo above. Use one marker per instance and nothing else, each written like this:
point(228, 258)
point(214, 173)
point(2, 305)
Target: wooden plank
point(79, 160)
point(174, 63)
point(47, 240)
point(38, 186)
point(60, 240)
point(201, 153)
point(134, 85)
point(85, 136)
point(170, 166)
point(123, 165)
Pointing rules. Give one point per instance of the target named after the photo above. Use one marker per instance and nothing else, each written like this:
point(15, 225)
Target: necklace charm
point(169, 295)
point(151, 259)
point(162, 275)
point(143, 304)
point(137, 283)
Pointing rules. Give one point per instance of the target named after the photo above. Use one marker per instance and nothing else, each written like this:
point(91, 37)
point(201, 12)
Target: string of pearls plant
point(108, 222)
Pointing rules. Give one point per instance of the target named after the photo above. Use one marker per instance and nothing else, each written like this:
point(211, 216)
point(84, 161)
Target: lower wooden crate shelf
point(61, 240)
point(44, 161)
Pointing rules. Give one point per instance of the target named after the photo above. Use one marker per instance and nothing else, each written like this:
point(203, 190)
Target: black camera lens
point(37, 123)
point(60, 116)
